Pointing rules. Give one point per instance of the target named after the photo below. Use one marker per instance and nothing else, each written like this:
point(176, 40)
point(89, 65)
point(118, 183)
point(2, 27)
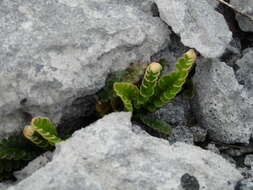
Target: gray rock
point(4, 186)
point(221, 104)
point(54, 52)
point(245, 6)
point(247, 173)
point(176, 112)
point(248, 161)
point(109, 155)
point(33, 166)
point(244, 71)
point(238, 151)
point(198, 25)
point(199, 133)
point(229, 159)
point(245, 184)
point(213, 3)
point(181, 133)
point(212, 147)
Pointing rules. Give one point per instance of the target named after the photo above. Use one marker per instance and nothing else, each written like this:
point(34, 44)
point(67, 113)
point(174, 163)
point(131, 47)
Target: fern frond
point(11, 165)
point(156, 124)
point(46, 129)
point(170, 85)
point(35, 138)
point(132, 75)
point(147, 88)
point(127, 92)
point(17, 148)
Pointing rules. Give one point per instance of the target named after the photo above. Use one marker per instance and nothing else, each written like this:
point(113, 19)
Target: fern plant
point(155, 90)
point(42, 132)
point(17, 151)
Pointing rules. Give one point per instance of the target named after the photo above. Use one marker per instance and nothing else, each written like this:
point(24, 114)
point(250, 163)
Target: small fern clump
point(155, 90)
point(42, 132)
point(17, 151)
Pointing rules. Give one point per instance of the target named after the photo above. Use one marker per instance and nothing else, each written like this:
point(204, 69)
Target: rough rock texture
point(198, 25)
point(109, 155)
point(53, 52)
point(199, 133)
point(249, 160)
point(246, 172)
point(176, 112)
point(33, 166)
point(245, 6)
point(246, 184)
point(244, 71)
point(181, 133)
point(214, 3)
point(212, 147)
point(221, 104)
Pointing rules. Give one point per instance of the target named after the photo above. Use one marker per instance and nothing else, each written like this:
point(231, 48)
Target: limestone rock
point(181, 133)
point(199, 133)
point(245, 6)
point(221, 104)
point(33, 166)
point(176, 112)
point(198, 25)
point(244, 71)
point(245, 184)
point(54, 52)
point(110, 155)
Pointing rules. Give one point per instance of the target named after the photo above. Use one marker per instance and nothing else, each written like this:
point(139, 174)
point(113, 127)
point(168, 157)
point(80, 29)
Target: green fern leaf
point(6, 176)
point(149, 82)
point(46, 129)
point(132, 75)
point(17, 148)
point(11, 165)
point(156, 124)
point(170, 85)
point(127, 92)
point(36, 138)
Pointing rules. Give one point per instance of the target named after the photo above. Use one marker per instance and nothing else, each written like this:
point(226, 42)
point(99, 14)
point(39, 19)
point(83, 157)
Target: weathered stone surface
point(199, 133)
point(247, 173)
point(198, 25)
point(249, 160)
point(244, 71)
point(245, 6)
point(221, 104)
point(245, 184)
point(212, 147)
point(110, 155)
point(213, 3)
point(53, 52)
point(176, 112)
point(33, 166)
point(181, 133)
